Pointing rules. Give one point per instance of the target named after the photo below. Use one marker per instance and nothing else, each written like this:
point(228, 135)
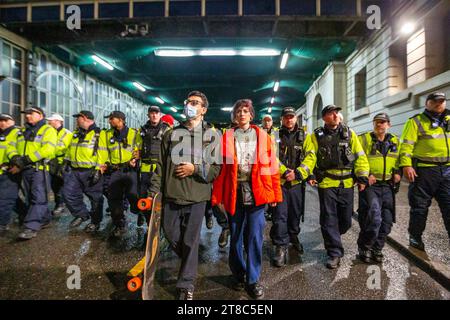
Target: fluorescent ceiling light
point(161, 101)
point(269, 110)
point(174, 53)
point(276, 86)
point(272, 100)
point(217, 52)
point(183, 116)
point(259, 52)
point(284, 60)
point(173, 109)
point(102, 62)
point(408, 28)
point(227, 109)
point(139, 86)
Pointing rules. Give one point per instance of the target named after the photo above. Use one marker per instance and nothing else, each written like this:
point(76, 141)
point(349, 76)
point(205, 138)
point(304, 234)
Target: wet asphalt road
point(37, 269)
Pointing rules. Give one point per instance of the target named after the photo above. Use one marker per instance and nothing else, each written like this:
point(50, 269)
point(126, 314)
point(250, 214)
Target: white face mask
point(190, 111)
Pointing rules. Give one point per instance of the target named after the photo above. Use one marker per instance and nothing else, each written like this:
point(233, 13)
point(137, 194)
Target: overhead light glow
point(173, 109)
point(284, 60)
point(269, 110)
point(408, 28)
point(276, 86)
point(259, 52)
point(183, 116)
point(174, 53)
point(161, 101)
point(217, 52)
point(102, 62)
point(139, 86)
point(272, 100)
point(227, 109)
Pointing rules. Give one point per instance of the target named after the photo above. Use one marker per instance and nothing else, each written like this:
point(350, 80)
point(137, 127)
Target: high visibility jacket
point(382, 166)
point(424, 142)
point(85, 148)
point(151, 137)
point(119, 152)
point(38, 143)
point(64, 137)
point(8, 145)
point(291, 151)
point(360, 167)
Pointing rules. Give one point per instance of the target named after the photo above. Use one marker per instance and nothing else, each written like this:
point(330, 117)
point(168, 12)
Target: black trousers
point(286, 216)
point(182, 225)
point(375, 216)
point(336, 209)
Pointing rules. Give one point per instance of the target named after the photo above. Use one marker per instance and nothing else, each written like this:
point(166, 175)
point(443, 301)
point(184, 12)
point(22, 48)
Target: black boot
point(377, 256)
point(296, 244)
point(223, 238)
point(185, 294)
point(280, 256)
point(364, 255)
point(416, 242)
point(333, 262)
point(255, 290)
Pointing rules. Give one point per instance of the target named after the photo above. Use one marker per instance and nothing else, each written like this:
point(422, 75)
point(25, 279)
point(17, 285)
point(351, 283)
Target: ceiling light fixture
point(259, 52)
point(174, 53)
point(272, 100)
point(276, 86)
point(161, 101)
point(284, 60)
point(269, 110)
point(217, 52)
point(102, 62)
point(139, 86)
point(173, 109)
point(229, 109)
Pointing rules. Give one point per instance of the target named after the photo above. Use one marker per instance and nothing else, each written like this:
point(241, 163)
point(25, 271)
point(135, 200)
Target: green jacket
point(197, 187)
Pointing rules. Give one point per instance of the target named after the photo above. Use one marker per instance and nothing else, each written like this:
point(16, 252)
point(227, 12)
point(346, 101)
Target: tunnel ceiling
point(311, 43)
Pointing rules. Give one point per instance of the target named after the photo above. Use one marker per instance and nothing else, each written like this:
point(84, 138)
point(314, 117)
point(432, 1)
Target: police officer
point(36, 146)
point(337, 158)
point(286, 216)
point(267, 125)
point(8, 179)
point(184, 177)
point(81, 173)
point(63, 141)
point(151, 134)
point(120, 147)
point(425, 160)
point(376, 211)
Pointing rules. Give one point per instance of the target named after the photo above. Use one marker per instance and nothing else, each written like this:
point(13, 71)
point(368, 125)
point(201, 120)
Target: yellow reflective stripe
point(392, 155)
point(406, 155)
point(2, 146)
point(340, 172)
point(304, 166)
point(362, 173)
point(309, 152)
point(360, 153)
point(433, 159)
point(81, 163)
point(419, 125)
point(432, 136)
point(48, 142)
point(37, 155)
point(410, 142)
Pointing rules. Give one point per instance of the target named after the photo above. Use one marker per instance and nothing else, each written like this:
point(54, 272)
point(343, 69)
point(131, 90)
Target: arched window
point(317, 111)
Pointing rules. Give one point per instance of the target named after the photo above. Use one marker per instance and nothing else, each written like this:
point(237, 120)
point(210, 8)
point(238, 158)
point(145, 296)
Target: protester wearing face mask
point(184, 177)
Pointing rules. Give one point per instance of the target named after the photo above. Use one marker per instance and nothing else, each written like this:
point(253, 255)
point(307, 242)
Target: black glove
point(95, 176)
point(20, 162)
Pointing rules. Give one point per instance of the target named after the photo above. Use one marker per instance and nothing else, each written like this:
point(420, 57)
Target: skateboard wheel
point(144, 204)
point(134, 284)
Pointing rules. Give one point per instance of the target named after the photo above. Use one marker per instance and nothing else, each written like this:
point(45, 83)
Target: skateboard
point(143, 273)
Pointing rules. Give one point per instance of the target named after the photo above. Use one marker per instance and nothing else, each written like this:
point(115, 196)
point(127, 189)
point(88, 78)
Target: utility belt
point(124, 167)
point(320, 175)
point(36, 165)
point(82, 169)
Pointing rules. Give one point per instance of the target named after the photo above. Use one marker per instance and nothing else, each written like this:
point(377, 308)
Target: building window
point(11, 88)
point(397, 67)
point(360, 89)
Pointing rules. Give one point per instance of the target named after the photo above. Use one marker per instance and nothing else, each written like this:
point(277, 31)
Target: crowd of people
point(243, 175)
